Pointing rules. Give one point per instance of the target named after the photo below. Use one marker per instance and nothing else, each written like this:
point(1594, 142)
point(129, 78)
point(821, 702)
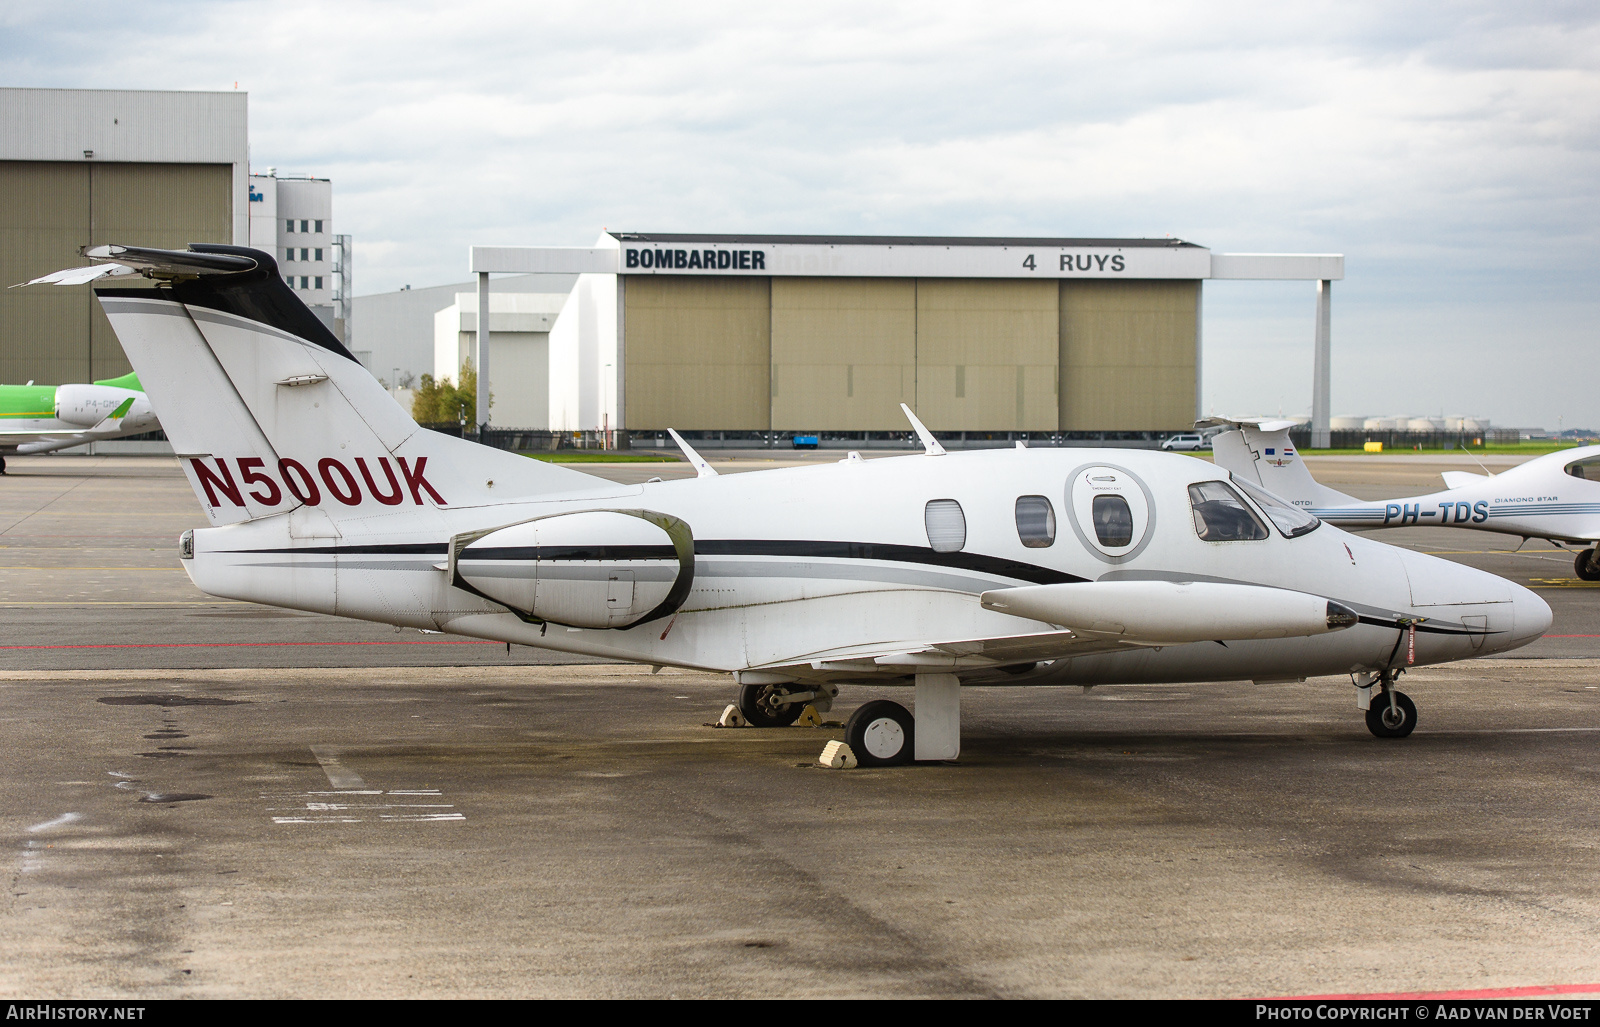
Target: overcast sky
point(1449, 150)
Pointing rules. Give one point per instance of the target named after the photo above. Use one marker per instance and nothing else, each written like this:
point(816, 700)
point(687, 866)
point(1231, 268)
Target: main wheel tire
point(760, 708)
point(1585, 569)
point(881, 734)
point(1380, 721)
point(2, 465)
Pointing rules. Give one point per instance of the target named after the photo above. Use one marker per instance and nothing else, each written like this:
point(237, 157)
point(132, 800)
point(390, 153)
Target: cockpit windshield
point(1221, 516)
point(1289, 519)
point(1587, 468)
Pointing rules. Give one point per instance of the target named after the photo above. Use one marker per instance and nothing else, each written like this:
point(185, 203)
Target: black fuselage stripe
point(795, 548)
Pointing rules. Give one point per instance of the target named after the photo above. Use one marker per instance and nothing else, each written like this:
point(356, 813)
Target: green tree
point(441, 402)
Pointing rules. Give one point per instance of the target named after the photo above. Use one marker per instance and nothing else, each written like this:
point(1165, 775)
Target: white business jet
point(1555, 496)
point(937, 571)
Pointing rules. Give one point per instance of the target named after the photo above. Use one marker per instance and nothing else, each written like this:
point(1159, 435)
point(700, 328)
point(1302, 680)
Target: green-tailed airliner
point(42, 418)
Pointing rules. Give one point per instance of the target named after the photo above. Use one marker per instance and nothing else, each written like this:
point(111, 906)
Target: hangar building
point(88, 167)
point(746, 333)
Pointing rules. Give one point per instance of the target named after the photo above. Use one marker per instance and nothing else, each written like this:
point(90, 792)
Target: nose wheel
point(1395, 719)
point(1585, 566)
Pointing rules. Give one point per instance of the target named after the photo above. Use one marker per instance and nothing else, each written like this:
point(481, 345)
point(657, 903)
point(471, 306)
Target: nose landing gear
point(1586, 566)
point(1392, 714)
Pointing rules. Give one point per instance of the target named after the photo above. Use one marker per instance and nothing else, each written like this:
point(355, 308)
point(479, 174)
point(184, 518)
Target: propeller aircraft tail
point(1261, 452)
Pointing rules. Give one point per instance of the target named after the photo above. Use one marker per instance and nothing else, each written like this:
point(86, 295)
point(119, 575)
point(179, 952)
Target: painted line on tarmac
point(226, 645)
point(1534, 991)
point(340, 776)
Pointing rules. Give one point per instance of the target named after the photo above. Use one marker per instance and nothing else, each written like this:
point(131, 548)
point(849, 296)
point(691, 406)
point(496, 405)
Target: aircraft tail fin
point(1458, 479)
point(1261, 452)
point(269, 412)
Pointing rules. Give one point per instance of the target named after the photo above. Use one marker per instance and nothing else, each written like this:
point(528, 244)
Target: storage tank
point(1347, 422)
point(1420, 424)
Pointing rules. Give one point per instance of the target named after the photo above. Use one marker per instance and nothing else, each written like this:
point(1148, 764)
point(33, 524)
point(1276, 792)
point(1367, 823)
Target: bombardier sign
point(916, 260)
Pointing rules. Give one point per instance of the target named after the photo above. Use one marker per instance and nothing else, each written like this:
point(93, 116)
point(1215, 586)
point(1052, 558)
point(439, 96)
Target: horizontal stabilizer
point(1461, 479)
point(1266, 424)
point(111, 424)
point(1173, 612)
point(168, 265)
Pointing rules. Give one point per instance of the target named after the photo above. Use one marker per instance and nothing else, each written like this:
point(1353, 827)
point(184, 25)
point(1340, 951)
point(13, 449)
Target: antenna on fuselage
point(929, 443)
point(1475, 460)
point(701, 468)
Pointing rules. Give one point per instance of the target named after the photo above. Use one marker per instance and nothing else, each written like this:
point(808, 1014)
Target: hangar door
point(696, 352)
point(48, 209)
point(1128, 354)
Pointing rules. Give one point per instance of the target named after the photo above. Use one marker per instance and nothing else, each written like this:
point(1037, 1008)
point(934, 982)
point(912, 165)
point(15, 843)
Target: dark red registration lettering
point(417, 482)
point(209, 478)
point(331, 469)
point(305, 489)
point(395, 494)
point(250, 476)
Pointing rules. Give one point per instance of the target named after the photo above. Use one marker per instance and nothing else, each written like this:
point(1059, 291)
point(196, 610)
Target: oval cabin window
point(946, 524)
point(1113, 521)
point(1110, 511)
point(1036, 522)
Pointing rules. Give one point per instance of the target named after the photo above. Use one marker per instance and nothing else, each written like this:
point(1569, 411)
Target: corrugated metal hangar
point(833, 333)
point(87, 167)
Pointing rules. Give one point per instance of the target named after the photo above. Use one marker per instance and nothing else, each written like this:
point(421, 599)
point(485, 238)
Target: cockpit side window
point(1289, 519)
point(1036, 522)
point(1588, 468)
point(1221, 516)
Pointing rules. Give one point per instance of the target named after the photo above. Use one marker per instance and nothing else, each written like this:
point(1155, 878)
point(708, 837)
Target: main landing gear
point(2, 465)
point(1391, 713)
point(1586, 565)
point(880, 733)
point(770, 705)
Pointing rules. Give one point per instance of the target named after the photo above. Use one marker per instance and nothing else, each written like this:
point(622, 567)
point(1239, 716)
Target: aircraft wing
point(955, 654)
point(1104, 616)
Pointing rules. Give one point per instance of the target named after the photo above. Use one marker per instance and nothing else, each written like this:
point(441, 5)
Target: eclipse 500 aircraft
point(937, 571)
point(1554, 497)
point(44, 418)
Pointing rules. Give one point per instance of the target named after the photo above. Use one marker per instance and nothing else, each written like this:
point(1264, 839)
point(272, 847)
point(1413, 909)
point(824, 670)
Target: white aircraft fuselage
point(800, 571)
point(1047, 566)
point(1537, 499)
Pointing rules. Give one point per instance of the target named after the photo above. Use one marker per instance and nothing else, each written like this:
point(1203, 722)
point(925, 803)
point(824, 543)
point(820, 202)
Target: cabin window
point(1113, 521)
point(946, 524)
point(1036, 522)
point(1221, 516)
point(1289, 519)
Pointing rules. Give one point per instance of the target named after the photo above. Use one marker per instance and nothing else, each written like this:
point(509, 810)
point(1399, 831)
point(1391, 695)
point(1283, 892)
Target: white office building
point(291, 217)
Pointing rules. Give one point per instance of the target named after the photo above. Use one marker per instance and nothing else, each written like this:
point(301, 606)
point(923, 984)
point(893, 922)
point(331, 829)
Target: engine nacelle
point(88, 405)
point(594, 569)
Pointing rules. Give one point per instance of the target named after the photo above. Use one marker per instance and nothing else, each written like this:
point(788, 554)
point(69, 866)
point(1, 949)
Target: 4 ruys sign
point(297, 484)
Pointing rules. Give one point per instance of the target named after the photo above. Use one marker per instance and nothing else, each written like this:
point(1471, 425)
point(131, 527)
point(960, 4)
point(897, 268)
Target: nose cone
point(1530, 618)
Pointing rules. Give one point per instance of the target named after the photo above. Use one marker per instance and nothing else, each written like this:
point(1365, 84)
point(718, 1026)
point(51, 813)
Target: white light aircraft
point(1554, 497)
point(938, 571)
